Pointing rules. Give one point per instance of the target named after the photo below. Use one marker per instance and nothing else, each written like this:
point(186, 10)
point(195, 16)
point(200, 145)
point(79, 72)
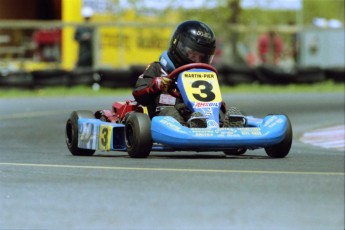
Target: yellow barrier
point(122, 43)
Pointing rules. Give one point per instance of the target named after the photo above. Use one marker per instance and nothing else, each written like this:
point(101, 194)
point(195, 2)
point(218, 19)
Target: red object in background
point(47, 37)
point(48, 44)
point(251, 59)
point(270, 47)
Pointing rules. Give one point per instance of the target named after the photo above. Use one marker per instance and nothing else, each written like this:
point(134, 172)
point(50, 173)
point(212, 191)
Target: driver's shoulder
point(155, 69)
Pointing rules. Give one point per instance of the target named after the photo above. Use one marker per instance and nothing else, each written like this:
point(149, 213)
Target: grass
point(323, 87)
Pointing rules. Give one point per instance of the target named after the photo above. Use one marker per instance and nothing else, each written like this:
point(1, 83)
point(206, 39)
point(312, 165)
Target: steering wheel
point(180, 69)
point(173, 75)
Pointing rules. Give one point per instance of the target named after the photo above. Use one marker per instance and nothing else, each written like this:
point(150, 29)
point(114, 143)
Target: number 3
point(104, 140)
point(206, 93)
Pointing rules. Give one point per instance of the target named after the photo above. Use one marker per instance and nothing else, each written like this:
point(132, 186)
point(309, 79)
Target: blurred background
point(263, 41)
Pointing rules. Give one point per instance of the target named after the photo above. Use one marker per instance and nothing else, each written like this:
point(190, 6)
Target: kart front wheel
point(71, 133)
point(138, 135)
point(282, 149)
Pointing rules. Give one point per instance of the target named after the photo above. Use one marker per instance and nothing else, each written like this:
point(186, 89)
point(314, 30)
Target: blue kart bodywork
point(169, 134)
point(262, 133)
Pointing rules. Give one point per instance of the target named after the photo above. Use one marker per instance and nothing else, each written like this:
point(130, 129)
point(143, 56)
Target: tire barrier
point(267, 74)
point(115, 78)
point(234, 75)
point(335, 74)
point(82, 76)
point(55, 77)
point(126, 78)
point(308, 75)
point(21, 80)
point(119, 78)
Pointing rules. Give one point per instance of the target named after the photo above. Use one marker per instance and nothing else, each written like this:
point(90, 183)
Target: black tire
point(72, 133)
point(82, 76)
point(235, 152)
point(138, 135)
point(115, 78)
point(282, 149)
point(274, 75)
point(18, 79)
point(47, 78)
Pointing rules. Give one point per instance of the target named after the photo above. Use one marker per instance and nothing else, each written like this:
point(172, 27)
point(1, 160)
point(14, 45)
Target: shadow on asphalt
point(180, 156)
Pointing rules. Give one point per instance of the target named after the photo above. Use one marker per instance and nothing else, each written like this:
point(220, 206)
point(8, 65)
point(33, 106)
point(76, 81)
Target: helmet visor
point(192, 55)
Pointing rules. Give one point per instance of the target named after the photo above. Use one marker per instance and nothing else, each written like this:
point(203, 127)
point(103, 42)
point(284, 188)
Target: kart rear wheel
point(235, 152)
point(282, 149)
point(138, 135)
point(71, 133)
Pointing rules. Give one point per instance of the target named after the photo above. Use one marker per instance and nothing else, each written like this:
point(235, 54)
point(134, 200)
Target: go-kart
point(127, 127)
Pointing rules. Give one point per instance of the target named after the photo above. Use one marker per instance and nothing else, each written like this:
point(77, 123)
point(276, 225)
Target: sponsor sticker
point(105, 134)
point(205, 104)
point(87, 136)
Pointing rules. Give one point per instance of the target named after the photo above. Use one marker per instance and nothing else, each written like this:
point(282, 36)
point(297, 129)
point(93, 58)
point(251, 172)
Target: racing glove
point(161, 84)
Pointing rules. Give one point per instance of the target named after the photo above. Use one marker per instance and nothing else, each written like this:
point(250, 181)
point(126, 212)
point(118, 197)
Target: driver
point(192, 42)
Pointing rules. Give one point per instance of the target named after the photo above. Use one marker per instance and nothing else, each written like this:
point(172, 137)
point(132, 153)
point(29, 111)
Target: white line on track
point(174, 169)
point(329, 138)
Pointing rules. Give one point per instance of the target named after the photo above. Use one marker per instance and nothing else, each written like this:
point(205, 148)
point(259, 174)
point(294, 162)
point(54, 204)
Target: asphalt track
point(42, 186)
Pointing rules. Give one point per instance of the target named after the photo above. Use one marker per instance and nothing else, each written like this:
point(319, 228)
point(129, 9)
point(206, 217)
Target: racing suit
point(159, 102)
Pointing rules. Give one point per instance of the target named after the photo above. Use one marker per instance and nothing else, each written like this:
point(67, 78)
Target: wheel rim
point(69, 132)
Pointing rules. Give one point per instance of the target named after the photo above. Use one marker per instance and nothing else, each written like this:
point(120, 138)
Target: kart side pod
point(272, 133)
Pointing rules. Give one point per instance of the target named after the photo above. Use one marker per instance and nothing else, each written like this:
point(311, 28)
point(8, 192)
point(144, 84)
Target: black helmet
point(192, 41)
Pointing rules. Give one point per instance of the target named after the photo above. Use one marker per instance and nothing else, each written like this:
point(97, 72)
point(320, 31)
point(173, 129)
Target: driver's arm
point(150, 83)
